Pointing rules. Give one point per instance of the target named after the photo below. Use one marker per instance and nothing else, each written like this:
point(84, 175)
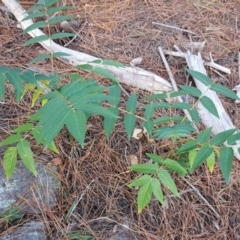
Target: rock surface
point(23, 185)
point(31, 230)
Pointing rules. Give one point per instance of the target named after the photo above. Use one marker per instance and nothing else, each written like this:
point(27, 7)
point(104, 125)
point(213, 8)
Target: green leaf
point(191, 90)
point(36, 40)
point(226, 160)
point(105, 73)
point(60, 54)
point(202, 155)
point(145, 168)
point(86, 67)
point(9, 161)
point(144, 196)
point(181, 105)
point(30, 77)
point(36, 25)
point(191, 156)
point(36, 95)
point(211, 162)
point(109, 63)
point(23, 128)
point(59, 19)
point(166, 179)
point(157, 96)
point(96, 109)
point(53, 147)
point(129, 123)
point(156, 189)
point(161, 105)
point(61, 35)
point(232, 139)
point(40, 58)
point(195, 115)
point(58, 9)
point(148, 126)
point(221, 137)
point(76, 123)
point(155, 158)
point(224, 91)
point(200, 76)
point(209, 105)
point(131, 104)
point(2, 85)
point(115, 92)
point(203, 136)
point(14, 78)
point(35, 8)
point(149, 111)
point(11, 139)
point(26, 155)
point(109, 123)
point(175, 166)
point(188, 146)
point(140, 181)
point(34, 15)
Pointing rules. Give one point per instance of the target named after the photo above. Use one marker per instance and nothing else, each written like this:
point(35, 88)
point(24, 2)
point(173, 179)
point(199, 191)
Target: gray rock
point(31, 230)
point(35, 191)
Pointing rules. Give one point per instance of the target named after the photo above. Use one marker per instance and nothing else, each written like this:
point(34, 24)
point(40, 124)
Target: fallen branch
point(133, 76)
point(223, 123)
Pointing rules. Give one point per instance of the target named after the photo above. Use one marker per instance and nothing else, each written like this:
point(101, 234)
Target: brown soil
point(96, 177)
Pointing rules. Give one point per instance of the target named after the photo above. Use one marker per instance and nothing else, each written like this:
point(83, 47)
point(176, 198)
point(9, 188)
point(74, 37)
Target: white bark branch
point(133, 76)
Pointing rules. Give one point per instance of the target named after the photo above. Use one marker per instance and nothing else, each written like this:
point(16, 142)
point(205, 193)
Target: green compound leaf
point(11, 139)
point(132, 103)
point(155, 158)
point(145, 168)
point(9, 161)
point(23, 128)
point(224, 91)
point(36, 25)
point(200, 76)
point(156, 189)
point(26, 155)
point(129, 123)
point(221, 137)
point(166, 179)
point(188, 146)
point(226, 160)
point(203, 136)
point(209, 105)
point(175, 166)
point(202, 155)
point(76, 123)
point(144, 196)
point(36, 40)
point(57, 9)
point(140, 181)
point(109, 123)
point(191, 90)
point(211, 162)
